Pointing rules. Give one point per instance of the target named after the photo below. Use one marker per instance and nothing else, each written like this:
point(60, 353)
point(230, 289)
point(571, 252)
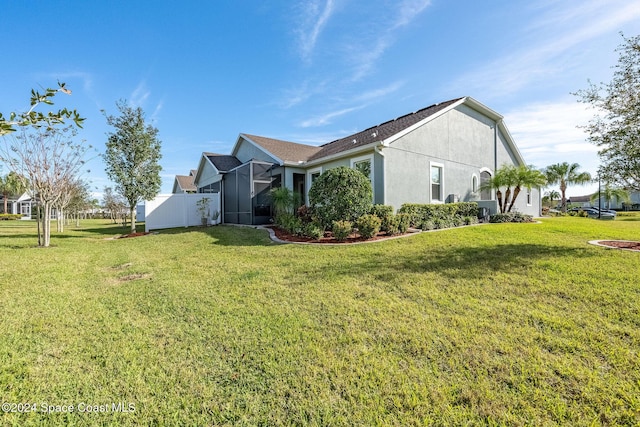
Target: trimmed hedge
point(444, 214)
point(510, 217)
point(10, 216)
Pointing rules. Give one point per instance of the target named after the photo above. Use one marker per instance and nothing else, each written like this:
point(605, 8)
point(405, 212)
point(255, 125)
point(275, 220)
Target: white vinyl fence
point(179, 210)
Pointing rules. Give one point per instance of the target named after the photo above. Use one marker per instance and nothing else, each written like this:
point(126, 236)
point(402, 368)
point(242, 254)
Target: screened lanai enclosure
point(246, 192)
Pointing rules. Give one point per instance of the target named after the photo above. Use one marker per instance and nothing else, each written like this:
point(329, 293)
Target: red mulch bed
point(328, 237)
point(634, 246)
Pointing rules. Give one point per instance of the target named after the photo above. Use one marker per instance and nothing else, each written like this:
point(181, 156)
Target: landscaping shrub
point(385, 213)
point(469, 220)
point(403, 222)
point(448, 212)
point(340, 194)
point(467, 209)
point(10, 216)
point(312, 230)
point(341, 229)
point(368, 225)
point(510, 217)
point(304, 213)
point(427, 225)
point(398, 224)
point(289, 223)
point(283, 200)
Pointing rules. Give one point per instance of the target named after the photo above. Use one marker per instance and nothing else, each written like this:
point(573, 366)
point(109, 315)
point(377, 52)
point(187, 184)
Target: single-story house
point(585, 201)
point(20, 204)
point(439, 154)
point(184, 183)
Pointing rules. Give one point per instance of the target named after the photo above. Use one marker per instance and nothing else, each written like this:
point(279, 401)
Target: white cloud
point(314, 19)
point(370, 51)
point(363, 100)
point(139, 95)
point(548, 133)
point(554, 36)
point(408, 10)
point(325, 119)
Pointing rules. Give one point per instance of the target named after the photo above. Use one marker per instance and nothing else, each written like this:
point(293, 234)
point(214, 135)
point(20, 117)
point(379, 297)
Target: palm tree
point(11, 184)
point(513, 179)
point(553, 195)
point(566, 174)
point(527, 177)
point(609, 194)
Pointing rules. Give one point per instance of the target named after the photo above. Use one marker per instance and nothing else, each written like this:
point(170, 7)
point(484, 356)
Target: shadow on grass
point(227, 235)
point(454, 262)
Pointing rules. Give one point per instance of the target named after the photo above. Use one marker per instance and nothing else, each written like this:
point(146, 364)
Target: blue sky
point(316, 70)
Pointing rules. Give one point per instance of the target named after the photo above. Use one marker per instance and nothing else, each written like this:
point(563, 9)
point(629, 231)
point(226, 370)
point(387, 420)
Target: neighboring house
point(18, 205)
point(585, 201)
point(579, 201)
point(184, 183)
point(442, 153)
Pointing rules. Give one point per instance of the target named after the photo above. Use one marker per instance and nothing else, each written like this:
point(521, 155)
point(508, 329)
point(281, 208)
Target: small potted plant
point(203, 209)
point(214, 217)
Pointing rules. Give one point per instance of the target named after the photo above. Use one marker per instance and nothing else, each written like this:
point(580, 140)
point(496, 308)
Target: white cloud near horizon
point(554, 35)
point(549, 131)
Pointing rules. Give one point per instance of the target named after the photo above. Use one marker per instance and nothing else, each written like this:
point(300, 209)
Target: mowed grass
point(499, 324)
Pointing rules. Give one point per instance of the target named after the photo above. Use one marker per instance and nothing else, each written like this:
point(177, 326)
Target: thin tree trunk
point(516, 191)
point(133, 219)
point(499, 197)
point(507, 197)
point(60, 220)
point(46, 226)
point(38, 219)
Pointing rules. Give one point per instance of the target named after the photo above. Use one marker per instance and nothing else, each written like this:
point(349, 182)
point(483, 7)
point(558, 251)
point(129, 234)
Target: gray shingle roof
point(294, 152)
point(379, 132)
point(223, 162)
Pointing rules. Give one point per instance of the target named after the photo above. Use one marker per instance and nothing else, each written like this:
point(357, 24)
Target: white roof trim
point(203, 157)
point(347, 153)
point(258, 146)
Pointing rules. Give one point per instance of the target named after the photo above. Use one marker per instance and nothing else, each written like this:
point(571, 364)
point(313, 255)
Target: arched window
point(474, 184)
point(485, 194)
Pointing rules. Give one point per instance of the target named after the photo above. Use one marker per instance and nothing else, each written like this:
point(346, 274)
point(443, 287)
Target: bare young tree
point(72, 191)
point(49, 159)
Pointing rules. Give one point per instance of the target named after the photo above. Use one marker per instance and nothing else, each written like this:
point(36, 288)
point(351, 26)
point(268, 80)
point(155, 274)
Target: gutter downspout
point(495, 147)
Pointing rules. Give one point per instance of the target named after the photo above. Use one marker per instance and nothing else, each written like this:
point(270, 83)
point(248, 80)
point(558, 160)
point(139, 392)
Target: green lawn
point(499, 324)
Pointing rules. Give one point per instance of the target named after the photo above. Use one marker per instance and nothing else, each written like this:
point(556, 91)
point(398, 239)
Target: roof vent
point(354, 141)
point(374, 134)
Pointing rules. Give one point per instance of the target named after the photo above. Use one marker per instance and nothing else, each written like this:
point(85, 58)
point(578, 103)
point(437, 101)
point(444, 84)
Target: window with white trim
point(485, 178)
point(474, 184)
point(312, 175)
point(364, 165)
point(437, 182)
point(529, 203)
